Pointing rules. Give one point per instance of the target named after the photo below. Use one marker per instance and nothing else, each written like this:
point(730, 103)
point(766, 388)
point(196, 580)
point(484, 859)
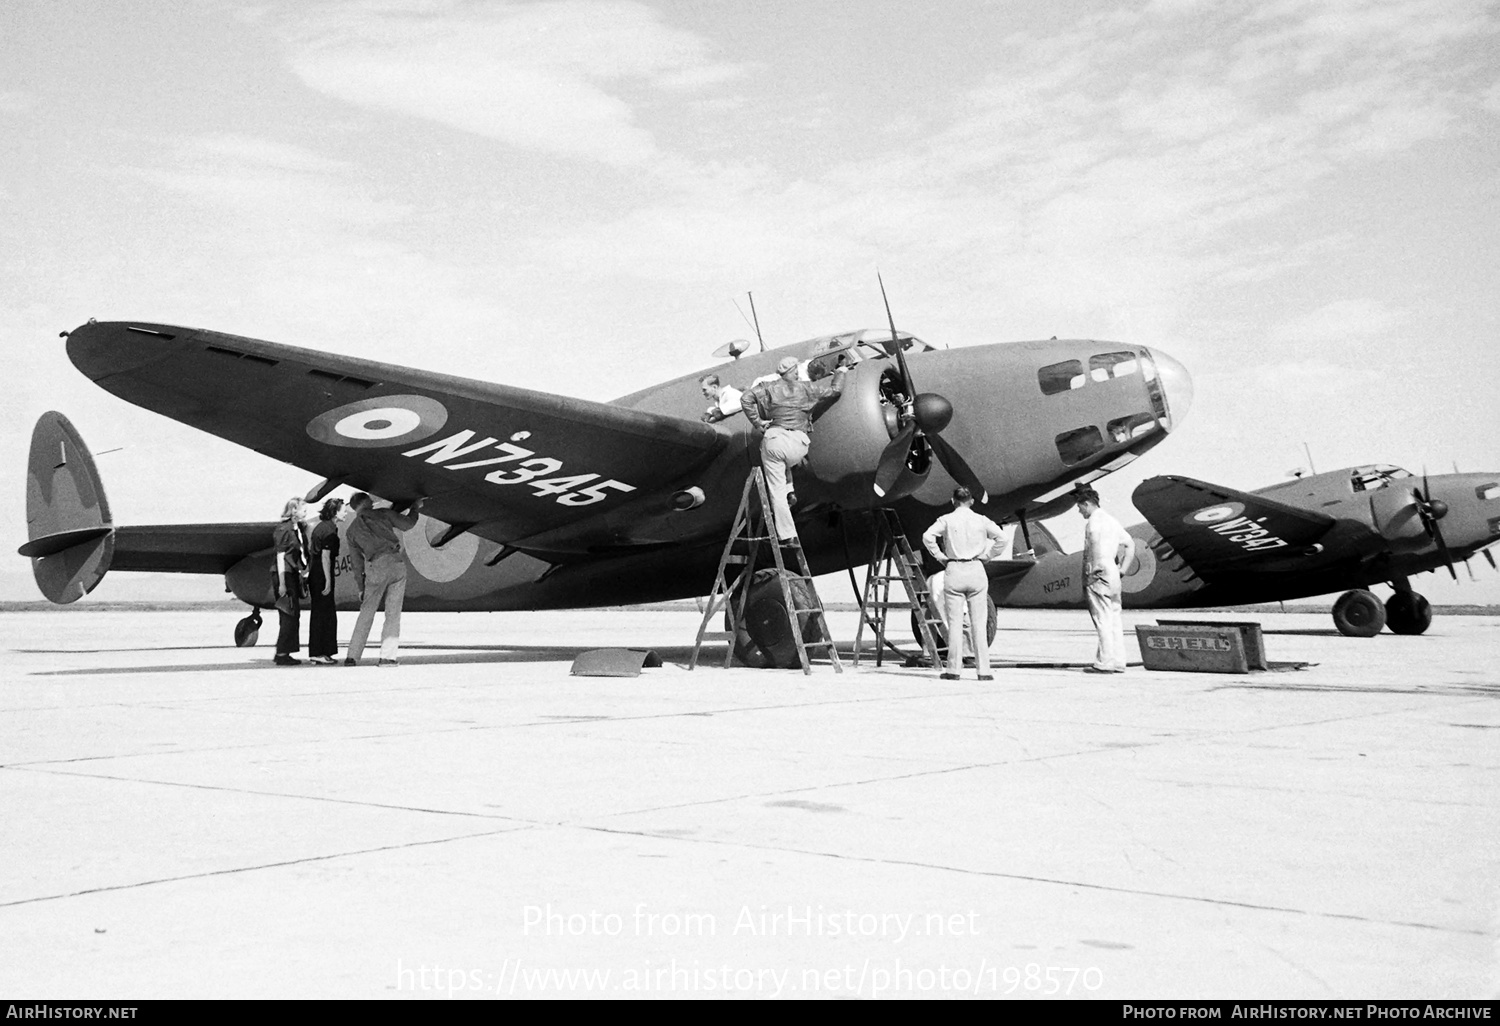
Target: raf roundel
point(381, 421)
point(1215, 514)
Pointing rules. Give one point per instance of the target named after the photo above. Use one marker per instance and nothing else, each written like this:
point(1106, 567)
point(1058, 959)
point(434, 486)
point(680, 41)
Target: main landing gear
point(247, 631)
point(1360, 614)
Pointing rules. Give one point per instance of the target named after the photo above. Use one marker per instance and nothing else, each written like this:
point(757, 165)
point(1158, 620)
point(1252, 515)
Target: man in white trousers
point(1107, 550)
point(966, 539)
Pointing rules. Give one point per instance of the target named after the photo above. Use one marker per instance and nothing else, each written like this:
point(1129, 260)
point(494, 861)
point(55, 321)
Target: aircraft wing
point(1217, 529)
point(506, 462)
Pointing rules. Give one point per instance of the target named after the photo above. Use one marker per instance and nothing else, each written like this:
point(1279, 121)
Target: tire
point(1406, 612)
point(1358, 614)
point(942, 639)
point(746, 651)
point(767, 622)
point(247, 631)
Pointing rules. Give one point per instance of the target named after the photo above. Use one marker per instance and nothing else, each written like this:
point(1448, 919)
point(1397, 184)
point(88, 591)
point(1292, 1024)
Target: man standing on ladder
point(782, 409)
point(966, 539)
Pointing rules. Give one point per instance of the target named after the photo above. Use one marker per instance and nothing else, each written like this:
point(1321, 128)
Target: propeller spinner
point(904, 462)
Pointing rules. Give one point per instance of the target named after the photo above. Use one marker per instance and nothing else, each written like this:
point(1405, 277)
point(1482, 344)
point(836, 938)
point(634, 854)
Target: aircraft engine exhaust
point(688, 498)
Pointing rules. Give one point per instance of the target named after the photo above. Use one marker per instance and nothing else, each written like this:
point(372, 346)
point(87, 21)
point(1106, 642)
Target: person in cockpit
point(725, 398)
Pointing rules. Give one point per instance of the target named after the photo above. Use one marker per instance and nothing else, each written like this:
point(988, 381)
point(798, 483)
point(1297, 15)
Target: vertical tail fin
point(67, 516)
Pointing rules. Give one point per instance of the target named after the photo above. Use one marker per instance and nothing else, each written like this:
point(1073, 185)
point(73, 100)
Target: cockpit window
point(1079, 444)
point(1375, 476)
point(880, 338)
point(1123, 429)
point(852, 347)
point(1112, 365)
point(1488, 492)
point(1060, 377)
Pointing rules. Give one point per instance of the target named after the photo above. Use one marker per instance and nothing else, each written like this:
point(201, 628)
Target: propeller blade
point(1437, 536)
point(957, 469)
point(893, 460)
point(906, 382)
point(1430, 513)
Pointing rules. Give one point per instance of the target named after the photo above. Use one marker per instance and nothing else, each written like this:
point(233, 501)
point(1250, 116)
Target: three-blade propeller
point(903, 463)
point(1430, 511)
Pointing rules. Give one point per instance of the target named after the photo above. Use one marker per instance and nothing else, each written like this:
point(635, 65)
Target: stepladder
point(892, 558)
point(747, 599)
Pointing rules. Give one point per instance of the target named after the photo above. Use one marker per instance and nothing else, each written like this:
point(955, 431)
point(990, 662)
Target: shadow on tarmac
point(711, 657)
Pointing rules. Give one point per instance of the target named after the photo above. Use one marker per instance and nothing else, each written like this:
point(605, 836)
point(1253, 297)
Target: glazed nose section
point(1176, 385)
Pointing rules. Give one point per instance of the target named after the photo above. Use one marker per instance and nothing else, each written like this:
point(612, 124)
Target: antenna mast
point(757, 321)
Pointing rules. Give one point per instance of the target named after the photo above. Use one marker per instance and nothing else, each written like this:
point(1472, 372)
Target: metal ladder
point(731, 591)
point(893, 551)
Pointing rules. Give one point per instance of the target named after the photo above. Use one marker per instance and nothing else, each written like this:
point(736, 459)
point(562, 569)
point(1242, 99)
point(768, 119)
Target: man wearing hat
point(783, 409)
point(1107, 550)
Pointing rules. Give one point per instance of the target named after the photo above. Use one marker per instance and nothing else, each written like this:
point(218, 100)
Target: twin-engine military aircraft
point(539, 501)
point(1206, 545)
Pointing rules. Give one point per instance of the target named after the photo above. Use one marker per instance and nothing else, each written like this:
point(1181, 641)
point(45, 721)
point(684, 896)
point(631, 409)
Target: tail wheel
point(1358, 614)
point(1406, 612)
point(247, 631)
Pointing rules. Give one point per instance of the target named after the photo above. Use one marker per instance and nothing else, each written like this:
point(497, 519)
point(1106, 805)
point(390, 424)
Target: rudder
point(71, 536)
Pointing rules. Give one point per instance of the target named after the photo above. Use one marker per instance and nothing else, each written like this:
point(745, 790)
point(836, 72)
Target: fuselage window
point(1060, 377)
point(1079, 444)
point(1112, 365)
point(1123, 429)
point(1488, 492)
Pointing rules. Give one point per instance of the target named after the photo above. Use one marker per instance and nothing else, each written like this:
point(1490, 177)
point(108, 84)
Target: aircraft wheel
point(746, 651)
point(767, 624)
point(1358, 614)
point(1406, 612)
point(942, 638)
point(247, 631)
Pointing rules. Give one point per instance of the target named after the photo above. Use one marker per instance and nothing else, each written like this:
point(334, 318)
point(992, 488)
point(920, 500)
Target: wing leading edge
point(507, 462)
point(1218, 529)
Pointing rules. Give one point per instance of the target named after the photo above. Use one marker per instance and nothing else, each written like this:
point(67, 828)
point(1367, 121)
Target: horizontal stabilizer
point(52, 544)
point(71, 540)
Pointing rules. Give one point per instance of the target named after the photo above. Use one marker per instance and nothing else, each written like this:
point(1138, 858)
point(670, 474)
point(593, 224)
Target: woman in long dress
point(322, 557)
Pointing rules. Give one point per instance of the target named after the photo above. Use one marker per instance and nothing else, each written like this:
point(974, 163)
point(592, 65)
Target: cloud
point(1345, 322)
point(259, 152)
point(273, 183)
point(536, 76)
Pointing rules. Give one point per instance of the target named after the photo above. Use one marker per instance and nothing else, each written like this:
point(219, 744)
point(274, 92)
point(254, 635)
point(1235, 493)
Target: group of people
point(962, 540)
point(306, 564)
point(782, 408)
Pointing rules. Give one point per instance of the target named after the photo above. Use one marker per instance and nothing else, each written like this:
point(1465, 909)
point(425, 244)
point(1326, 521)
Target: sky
point(1297, 199)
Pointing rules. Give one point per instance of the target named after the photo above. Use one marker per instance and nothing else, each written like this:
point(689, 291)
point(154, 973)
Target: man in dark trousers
point(379, 572)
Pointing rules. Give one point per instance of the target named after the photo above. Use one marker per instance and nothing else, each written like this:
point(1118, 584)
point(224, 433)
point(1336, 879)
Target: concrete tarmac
point(183, 819)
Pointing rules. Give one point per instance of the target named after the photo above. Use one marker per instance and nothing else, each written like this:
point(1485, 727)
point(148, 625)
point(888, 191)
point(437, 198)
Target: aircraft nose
point(1176, 385)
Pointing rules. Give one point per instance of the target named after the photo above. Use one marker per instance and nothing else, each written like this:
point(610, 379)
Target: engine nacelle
point(849, 437)
point(251, 580)
point(1394, 513)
